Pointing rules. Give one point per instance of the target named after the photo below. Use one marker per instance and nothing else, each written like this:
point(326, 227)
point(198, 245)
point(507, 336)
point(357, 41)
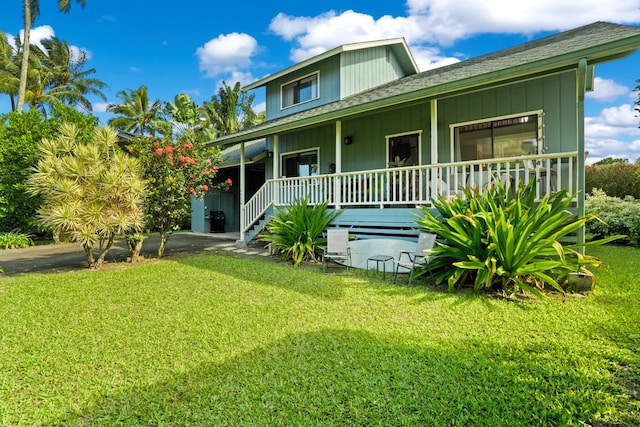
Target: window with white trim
point(302, 163)
point(299, 91)
point(403, 150)
point(501, 137)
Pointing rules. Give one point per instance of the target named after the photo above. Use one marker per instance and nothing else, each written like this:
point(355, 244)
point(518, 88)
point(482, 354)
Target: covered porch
point(391, 191)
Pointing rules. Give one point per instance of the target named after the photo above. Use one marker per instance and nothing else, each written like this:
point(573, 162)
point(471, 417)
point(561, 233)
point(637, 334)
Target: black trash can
point(217, 221)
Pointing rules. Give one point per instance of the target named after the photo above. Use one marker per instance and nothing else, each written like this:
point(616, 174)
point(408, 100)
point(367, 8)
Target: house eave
point(410, 63)
point(378, 98)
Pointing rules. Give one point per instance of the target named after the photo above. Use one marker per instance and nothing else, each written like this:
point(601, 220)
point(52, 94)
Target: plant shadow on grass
point(339, 377)
point(268, 271)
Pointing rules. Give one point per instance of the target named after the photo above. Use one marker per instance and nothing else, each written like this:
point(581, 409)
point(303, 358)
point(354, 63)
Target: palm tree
point(69, 81)
point(184, 114)
point(31, 13)
point(137, 114)
point(230, 110)
point(10, 67)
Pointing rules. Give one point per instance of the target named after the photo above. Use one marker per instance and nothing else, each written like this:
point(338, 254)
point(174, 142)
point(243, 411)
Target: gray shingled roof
point(598, 42)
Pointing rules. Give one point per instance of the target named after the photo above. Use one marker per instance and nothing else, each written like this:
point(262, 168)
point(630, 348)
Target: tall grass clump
point(14, 240)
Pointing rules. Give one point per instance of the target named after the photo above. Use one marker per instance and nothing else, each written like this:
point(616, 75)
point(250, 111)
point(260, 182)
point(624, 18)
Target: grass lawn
point(219, 340)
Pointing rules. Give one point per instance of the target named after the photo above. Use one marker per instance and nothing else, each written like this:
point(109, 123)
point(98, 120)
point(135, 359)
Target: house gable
point(334, 75)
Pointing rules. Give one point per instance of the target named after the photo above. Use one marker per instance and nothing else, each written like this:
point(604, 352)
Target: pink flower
point(168, 149)
point(192, 190)
point(158, 151)
point(187, 146)
point(155, 144)
point(181, 159)
point(228, 181)
point(131, 150)
point(205, 187)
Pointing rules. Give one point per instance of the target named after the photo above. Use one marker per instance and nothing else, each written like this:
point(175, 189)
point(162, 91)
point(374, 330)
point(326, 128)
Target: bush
point(504, 240)
point(613, 215)
point(296, 231)
point(14, 240)
point(619, 179)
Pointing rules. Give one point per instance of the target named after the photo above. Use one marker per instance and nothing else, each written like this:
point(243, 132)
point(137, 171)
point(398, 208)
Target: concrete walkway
point(67, 256)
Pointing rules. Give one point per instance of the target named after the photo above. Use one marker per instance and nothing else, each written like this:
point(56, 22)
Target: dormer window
point(299, 91)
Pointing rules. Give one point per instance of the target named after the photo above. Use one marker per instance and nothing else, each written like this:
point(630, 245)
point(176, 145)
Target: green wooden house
point(360, 127)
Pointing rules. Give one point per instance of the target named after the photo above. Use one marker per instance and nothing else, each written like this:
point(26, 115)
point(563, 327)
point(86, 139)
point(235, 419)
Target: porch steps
point(364, 223)
point(258, 226)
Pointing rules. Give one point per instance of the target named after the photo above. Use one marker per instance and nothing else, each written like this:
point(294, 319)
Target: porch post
point(276, 170)
point(581, 89)
point(336, 179)
point(434, 145)
point(242, 193)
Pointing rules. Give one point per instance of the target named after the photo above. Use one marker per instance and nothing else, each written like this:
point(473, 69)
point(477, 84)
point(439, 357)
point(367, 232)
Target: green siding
point(329, 88)
point(367, 68)
point(555, 95)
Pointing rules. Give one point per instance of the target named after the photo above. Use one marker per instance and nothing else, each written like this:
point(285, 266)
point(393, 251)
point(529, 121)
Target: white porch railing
point(415, 185)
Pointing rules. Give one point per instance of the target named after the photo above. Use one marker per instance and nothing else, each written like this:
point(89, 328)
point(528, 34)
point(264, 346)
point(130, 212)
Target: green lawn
point(219, 340)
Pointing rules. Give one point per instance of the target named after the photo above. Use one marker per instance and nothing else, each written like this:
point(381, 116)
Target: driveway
point(72, 256)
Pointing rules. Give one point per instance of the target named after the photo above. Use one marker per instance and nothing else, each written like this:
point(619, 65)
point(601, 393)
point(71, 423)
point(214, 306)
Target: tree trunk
point(134, 243)
point(104, 248)
point(24, 69)
point(164, 236)
point(89, 251)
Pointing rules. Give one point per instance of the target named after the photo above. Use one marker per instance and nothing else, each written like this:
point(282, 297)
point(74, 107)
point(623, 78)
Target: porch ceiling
point(598, 42)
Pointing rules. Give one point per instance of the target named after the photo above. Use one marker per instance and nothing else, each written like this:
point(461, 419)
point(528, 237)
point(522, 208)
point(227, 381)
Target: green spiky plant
point(504, 239)
point(296, 231)
point(14, 240)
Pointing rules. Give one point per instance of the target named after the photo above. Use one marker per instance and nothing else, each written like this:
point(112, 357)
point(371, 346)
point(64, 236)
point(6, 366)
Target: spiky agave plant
point(295, 232)
point(496, 238)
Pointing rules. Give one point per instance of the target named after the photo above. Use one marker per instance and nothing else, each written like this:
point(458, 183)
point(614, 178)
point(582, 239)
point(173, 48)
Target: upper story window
point(502, 137)
point(301, 90)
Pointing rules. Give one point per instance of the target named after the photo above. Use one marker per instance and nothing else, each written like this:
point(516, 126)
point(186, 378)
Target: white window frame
point(387, 139)
point(540, 135)
point(299, 79)
point(306, 150)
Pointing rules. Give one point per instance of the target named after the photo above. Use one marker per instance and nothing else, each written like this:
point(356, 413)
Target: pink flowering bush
point(174, 172)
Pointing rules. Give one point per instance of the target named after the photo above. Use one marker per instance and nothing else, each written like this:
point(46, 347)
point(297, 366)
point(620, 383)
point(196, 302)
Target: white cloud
point(227, 53)
point(600, 148)
point(443, 22)
point(614, 133)
point(607, 90)
point(428, 58)
point(448, 20)
point(44, 32)
point(38, 34)
point(99, 107)
point(260, 107)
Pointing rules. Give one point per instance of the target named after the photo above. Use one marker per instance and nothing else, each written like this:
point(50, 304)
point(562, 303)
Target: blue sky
point(173, 49)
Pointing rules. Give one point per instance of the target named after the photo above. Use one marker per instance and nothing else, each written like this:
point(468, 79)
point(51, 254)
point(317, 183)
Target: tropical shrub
point(504, 240)
point(14, 240)
point(174, 172)
point(91, 191)
point(295, 232)
point(616, 178)
point(20, 133)
point(613, 215)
